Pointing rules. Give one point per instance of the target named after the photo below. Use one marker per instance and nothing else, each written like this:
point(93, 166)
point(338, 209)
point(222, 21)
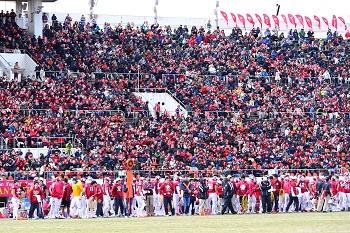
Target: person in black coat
point(203, 194)
point(265, 191)
point(227, 194)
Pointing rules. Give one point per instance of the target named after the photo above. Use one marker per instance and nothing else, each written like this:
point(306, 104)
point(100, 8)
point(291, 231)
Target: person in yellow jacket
point(76, 206)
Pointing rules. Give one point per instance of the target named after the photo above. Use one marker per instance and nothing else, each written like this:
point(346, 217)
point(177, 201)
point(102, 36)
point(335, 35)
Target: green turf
point(304, 222)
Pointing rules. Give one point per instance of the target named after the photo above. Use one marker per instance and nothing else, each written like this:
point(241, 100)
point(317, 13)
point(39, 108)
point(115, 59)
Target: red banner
point(225, 16)
point(276, 20)
point(250, 19)
point(326, 21)
point(285, 20)
point(318, 20)
point(334, 22)
point(6, 186)
point(292, 20)
point(241, 18)
point(259, 19)
point(267, 20)
point(343, 21)
point(308, 22)
point(301, 20)
point(234, 18)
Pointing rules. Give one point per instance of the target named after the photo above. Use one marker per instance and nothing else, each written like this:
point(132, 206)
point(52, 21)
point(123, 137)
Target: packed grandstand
point(256, 100)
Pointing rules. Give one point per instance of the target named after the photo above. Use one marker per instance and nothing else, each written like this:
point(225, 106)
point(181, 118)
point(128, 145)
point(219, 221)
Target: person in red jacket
point(167, 189)
point(66, 196)
point(36, 195)
point(91, 201)
point(276, 188)
point(56, 196)
point(293, 195)
point(99, 197)
point(117, 194)
point(242, 191)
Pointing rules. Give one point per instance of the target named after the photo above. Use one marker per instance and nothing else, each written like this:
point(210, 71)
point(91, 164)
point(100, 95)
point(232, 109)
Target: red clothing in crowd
point(98, 192)
point(57, 190)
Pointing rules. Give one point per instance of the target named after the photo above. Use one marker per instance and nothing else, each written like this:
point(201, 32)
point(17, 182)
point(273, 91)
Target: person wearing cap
point(77, 189)
point(293, 195)
point(117, 194)
point(227, 194)
point(203, 194)
point(15, 192)
point(36, 195)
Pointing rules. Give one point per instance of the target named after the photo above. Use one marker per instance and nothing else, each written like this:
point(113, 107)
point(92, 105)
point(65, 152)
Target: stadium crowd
point(255, 100)
point(182, 195)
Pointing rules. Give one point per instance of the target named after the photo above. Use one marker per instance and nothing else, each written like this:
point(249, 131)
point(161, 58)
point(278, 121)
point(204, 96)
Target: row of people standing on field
point(86, 198)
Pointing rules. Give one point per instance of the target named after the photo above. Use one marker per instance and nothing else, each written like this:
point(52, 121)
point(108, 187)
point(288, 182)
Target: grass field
point(305, 222)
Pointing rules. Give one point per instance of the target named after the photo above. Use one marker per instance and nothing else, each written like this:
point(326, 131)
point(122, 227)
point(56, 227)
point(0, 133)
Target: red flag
point(276, 20)
point(267, 20)
point(234, 18)
point(326, 21)
point(241, 18)
point(343, 21)
point(301, 20)
point(292, 20)
point(250, 19)
point(318, 20)
point(259, 19)
point(225, 16)
point(308, 22)
point(285, 20)
point(334, 22)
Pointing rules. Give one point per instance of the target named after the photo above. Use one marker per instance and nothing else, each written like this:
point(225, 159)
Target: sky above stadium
point(199, 8)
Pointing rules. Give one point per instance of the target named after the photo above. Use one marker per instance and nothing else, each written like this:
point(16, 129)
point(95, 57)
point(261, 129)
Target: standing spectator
point(16, 70)
point(265, 190)
point(44, 18)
